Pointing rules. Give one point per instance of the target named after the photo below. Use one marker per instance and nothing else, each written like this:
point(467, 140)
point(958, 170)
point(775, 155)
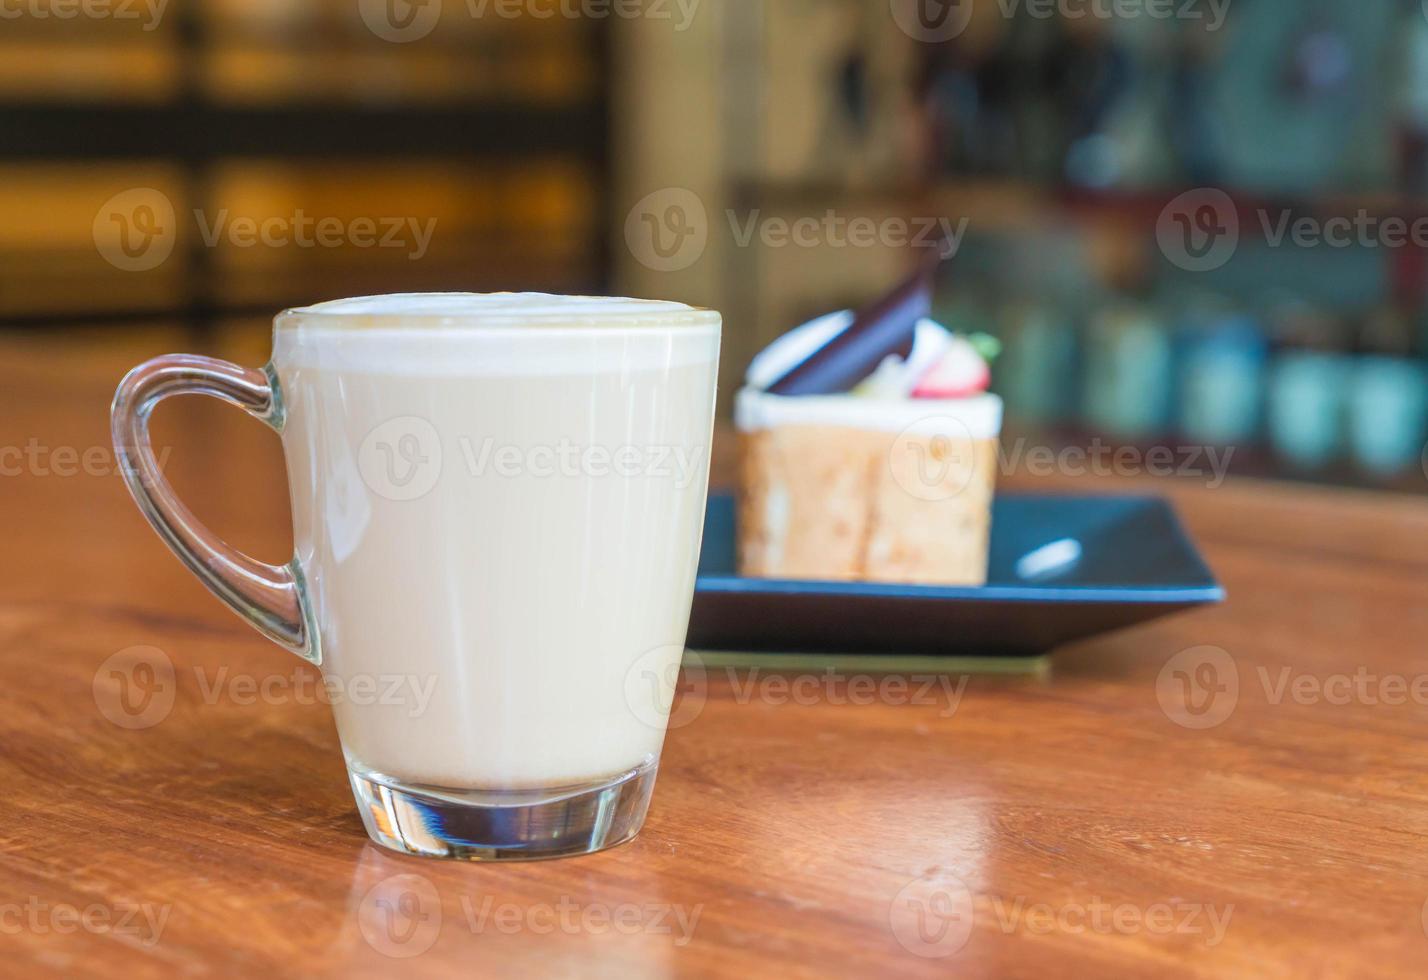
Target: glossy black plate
point(1061, 569)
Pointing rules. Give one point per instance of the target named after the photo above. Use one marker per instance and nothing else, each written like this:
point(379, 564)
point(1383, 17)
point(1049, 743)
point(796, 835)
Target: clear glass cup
point(497, 507)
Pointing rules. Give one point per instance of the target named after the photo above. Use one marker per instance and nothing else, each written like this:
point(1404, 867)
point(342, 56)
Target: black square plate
point(1061, 569)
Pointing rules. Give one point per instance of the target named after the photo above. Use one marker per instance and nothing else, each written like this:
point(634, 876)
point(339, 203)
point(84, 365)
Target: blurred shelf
point(495, 132)
point(198, 130)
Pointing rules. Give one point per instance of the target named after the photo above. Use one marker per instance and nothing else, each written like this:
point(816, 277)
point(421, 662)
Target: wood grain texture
point(790, 832)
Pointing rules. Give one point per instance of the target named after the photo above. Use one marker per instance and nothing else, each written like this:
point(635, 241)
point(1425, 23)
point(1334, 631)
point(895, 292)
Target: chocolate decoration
point(886, 327)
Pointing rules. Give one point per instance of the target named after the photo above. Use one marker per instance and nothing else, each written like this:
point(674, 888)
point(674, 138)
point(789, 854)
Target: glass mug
point(497, 507)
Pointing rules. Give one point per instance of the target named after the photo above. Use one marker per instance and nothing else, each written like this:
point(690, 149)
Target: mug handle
point(273, 598)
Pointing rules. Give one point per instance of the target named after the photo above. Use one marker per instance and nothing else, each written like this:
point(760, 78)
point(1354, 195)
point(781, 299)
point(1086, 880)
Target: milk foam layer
point(475, 334)
point(514, 307)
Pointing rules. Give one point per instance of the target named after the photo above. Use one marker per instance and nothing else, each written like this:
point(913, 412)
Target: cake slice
point(859, 489)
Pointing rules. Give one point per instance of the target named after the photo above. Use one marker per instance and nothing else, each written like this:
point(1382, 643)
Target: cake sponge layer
point(856, 504)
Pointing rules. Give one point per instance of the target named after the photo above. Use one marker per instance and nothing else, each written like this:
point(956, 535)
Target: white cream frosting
point(979, 416)
point(884, 402)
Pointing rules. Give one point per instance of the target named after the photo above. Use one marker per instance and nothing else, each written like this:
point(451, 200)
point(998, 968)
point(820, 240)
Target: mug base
point(503, 825)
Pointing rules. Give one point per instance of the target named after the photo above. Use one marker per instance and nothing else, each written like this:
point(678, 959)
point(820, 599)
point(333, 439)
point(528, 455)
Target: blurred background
point(1188, 222)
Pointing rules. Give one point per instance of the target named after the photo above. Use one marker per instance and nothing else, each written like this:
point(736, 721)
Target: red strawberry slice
point(961, 373)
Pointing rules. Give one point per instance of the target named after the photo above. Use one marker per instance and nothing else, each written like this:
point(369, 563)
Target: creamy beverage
point(497, 506)
point(501, 523)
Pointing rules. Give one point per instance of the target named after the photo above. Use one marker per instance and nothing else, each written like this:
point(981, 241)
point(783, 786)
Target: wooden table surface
point(1087, 822)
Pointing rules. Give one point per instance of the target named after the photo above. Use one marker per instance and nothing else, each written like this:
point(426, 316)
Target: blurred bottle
point(1412, 103)
point(1191, 117)
point(1307, 388)
point(1037, 370)
point(1105, 103)
point(1222, 368)
point(1388, 403)
point(1129, 372)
